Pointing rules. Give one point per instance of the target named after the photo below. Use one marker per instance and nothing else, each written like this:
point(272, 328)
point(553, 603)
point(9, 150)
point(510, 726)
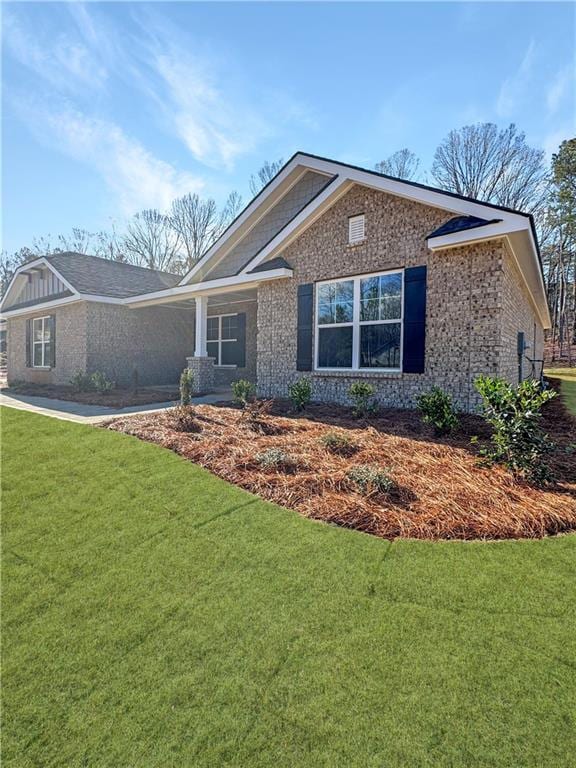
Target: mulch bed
point(442, 492)
point(117, 398)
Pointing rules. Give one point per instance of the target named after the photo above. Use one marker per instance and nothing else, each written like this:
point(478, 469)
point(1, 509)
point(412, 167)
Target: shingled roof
point(460, 224)
point(102, 277)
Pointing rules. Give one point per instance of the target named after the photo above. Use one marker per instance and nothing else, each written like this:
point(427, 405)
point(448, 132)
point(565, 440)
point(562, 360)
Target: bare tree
point(403, 164)
point(150, 241)
point(109, 245)
point(492, 164)
point(80, 241)
point(264, 175)
point(198, 224)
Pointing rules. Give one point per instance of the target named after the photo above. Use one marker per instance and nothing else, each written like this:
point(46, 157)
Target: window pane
point(380, 346)
point(212, 329)
point(335, 302)
point(229, 355)
point(212, 349)
point(37, 330)
point(381, 297)
point(229, 327)
point(390, 297)
point(335, 347)
point(37, 354)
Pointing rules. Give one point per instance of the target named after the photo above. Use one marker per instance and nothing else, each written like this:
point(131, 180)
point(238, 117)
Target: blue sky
point(109, 108)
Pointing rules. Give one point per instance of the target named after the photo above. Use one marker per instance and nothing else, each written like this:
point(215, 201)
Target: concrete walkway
point(92, 414)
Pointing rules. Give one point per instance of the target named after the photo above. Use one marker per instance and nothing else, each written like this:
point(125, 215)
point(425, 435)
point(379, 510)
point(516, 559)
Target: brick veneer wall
point(518, 315)
point(154, 340)
point(70, 346)
point(93, 336)
point(465, 294)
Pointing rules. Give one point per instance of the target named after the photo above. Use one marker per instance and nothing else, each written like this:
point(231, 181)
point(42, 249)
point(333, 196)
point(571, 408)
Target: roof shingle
point(460, 224)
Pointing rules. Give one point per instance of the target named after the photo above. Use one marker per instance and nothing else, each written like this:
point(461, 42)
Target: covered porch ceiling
point(219, 300)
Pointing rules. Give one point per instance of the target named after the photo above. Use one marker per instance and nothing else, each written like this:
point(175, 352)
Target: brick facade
point(93, 336)
point(469, 292)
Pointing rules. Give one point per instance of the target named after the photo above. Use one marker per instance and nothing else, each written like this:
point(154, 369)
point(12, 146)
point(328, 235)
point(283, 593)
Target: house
point(332, 272)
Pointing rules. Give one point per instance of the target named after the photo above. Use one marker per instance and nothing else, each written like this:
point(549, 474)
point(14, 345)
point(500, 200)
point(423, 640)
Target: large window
point(41, 340)
point(359, 322)
point(222, 332)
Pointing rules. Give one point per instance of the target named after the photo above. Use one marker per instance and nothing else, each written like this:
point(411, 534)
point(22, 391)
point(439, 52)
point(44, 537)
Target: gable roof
point(82, 276)
point(471, 221)
point(461, 224)
point(103, 277)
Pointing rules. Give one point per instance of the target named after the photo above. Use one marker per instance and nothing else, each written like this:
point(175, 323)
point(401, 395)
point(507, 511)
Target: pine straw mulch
point(442, 492)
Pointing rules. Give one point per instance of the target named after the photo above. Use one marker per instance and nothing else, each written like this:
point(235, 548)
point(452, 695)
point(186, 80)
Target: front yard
point(155, 615)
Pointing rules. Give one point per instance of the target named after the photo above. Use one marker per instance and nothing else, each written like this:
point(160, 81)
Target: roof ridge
point(124, 264)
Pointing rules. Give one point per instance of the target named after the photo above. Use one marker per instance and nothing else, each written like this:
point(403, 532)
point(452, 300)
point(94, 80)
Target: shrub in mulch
point(440, 491)
point(339, 443)
point(184, 419)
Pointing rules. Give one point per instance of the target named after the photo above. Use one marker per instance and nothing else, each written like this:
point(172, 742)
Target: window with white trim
point(356, 229)
point(41, 340)
point(359, 322)
point(222, 331)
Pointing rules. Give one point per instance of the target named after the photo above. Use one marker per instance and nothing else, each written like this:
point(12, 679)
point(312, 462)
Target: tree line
point(481, 161)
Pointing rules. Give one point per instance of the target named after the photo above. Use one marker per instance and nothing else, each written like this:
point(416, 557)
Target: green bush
point(300, 393)
point(184, 418)
point(362, 395)
point(101, 383)
point(243, 392)
point(438, 410)
point(369, 480)
point(339, 442)
point(275, 458)
point(514, 414)
point(82, 382)
point(92, 382)
point(186, 386)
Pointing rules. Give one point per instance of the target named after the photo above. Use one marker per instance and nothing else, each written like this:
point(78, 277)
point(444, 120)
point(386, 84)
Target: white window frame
point(42, 343)
point(357, 323)
point(351, 219)
point(220, 340)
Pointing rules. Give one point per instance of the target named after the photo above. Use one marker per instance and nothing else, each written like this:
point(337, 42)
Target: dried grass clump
point(339, 443)
point(441, 492)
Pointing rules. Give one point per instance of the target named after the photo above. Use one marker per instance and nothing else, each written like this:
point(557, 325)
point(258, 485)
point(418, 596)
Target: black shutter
point(304, 331)
point(28, 343)
point(52, 351)
point(240, 346)
point(414, 319)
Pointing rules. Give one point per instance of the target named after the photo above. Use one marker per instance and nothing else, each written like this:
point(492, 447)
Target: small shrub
point(101, 383)
point(184, 419)
point(186, 386)
point(338, 442)
point(255, 415)
point(82, 382)
point(243, 392)
point(514, 414)
point(369, 480)
point(275, 458)
point(362, 396)
point(300, 393)
point(438, 410)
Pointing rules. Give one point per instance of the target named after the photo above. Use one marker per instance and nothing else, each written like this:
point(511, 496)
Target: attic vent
point(356, 229)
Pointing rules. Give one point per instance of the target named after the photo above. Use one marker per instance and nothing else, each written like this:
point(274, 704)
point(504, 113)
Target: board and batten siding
point(38, 285)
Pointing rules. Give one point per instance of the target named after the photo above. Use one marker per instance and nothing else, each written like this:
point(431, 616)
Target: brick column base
point(203, 371)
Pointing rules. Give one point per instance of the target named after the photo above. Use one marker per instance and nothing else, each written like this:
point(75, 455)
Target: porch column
point(201, 326)
point(201, 365)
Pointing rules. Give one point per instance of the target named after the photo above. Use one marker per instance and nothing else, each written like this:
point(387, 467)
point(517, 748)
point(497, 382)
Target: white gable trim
point(219, 248)
point(40, 262)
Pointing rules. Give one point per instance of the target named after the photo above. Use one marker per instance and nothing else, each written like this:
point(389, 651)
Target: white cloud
point(136, 178)
point(516, 88)
point(63, 62)
point(561, 86)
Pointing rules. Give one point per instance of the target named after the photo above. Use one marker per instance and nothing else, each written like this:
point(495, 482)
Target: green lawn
point(567, 378)
point(156, 616)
